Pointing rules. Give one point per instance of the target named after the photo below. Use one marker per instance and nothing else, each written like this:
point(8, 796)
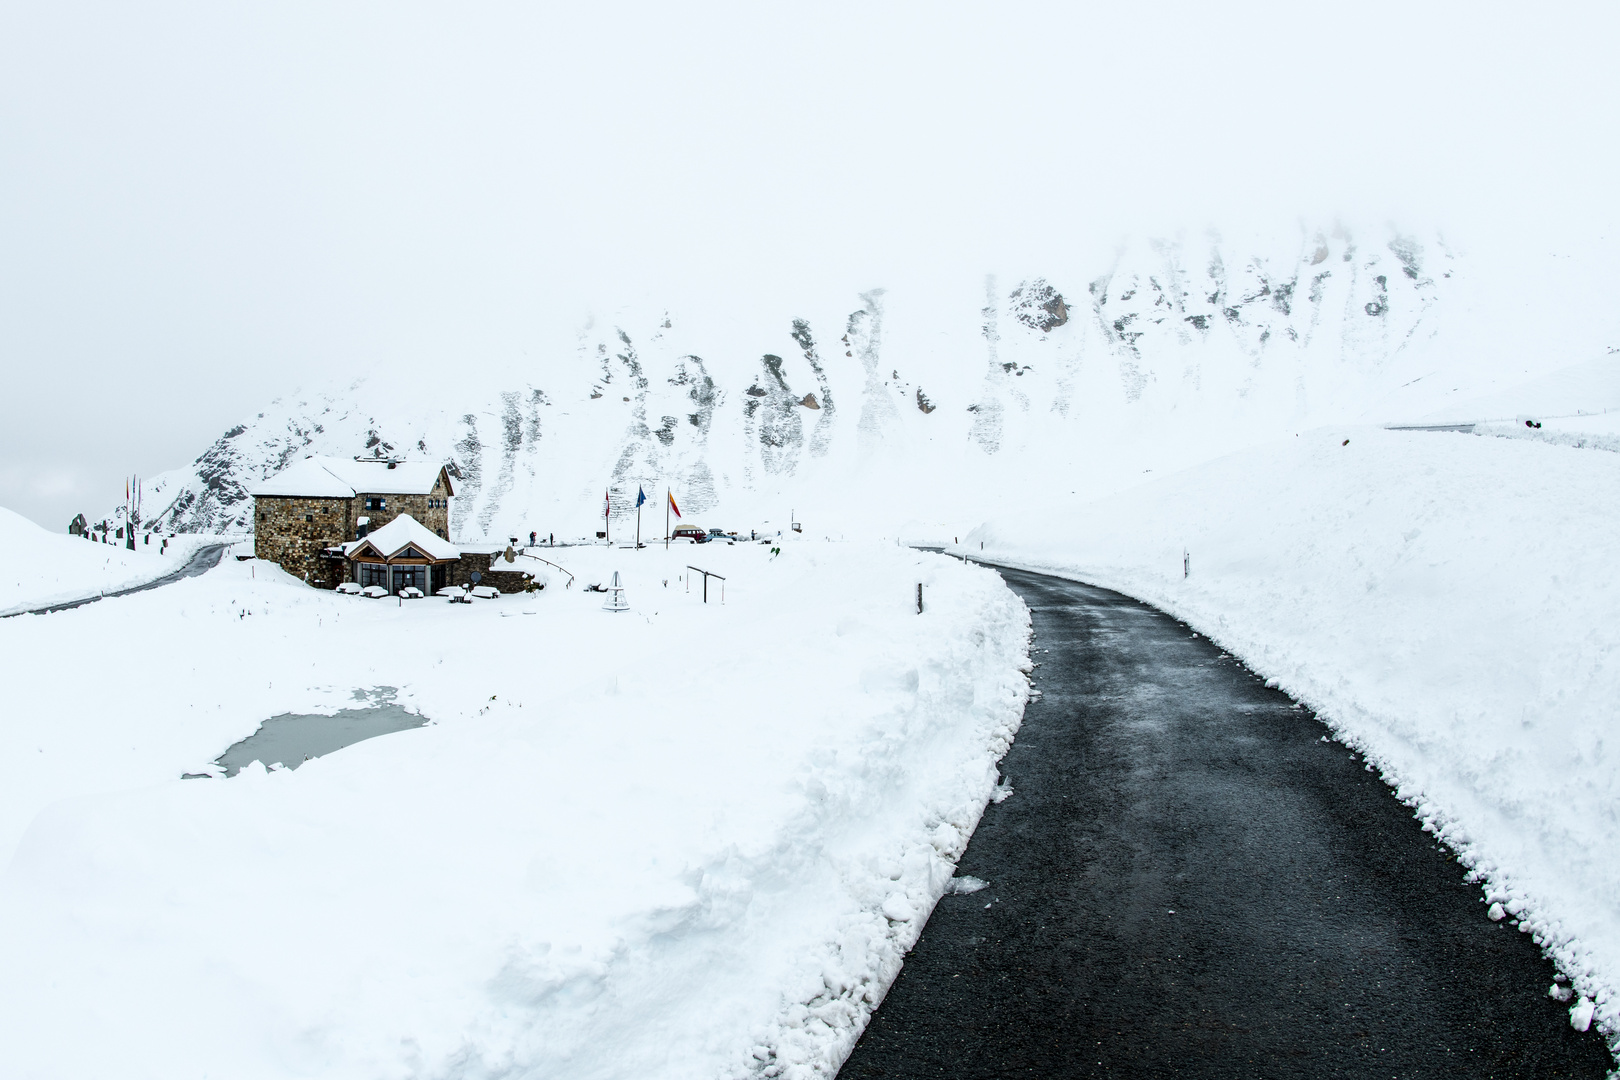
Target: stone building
point(304, 514)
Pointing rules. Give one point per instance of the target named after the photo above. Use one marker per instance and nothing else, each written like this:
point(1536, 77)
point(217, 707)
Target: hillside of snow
point(615, 851)
point(888, 404)
point(1444, 600)
point(43, 568)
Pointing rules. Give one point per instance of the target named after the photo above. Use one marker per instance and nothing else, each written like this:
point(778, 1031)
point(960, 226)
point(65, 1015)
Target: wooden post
point(919, 598)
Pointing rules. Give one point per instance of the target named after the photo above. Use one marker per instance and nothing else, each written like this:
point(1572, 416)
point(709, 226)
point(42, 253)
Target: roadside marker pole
point(919, 598)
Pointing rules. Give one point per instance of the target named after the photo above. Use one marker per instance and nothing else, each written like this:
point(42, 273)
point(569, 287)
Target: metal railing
point(707, 574)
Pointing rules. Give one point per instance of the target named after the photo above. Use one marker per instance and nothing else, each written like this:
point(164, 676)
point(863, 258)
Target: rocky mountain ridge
point(1170, 339)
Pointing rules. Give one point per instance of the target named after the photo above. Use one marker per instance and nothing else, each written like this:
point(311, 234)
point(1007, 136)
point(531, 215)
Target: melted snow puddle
point(294, 738)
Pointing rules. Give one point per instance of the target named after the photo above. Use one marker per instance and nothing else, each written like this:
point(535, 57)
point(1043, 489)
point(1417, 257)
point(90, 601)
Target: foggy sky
point(203, 206)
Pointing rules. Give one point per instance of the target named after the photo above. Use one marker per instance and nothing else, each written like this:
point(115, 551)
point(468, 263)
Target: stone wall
point(292, 531)
point(436, 517)
point(494, 570)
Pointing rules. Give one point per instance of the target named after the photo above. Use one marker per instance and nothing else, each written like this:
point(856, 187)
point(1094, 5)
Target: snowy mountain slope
point(888, 403)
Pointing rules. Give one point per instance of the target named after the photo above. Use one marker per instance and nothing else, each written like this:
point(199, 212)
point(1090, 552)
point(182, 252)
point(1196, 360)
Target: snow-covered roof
point(341, 478)
point(401, 533)
point(310, 478)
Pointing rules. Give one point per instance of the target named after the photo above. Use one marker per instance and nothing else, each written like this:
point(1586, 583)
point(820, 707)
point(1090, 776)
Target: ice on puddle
point(1580, 1014)
point(967, 883)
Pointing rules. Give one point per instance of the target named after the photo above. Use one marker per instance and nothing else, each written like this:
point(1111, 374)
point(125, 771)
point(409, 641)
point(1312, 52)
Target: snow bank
point(1446, 602)
point(686, 840)
point(38, 568)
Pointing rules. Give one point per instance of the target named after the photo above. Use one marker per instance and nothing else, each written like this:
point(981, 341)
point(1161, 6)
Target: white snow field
point(43, 568)
point(1446, 602)
point(685, 840)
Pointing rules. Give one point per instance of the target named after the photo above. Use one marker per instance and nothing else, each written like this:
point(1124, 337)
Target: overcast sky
point(204, 205)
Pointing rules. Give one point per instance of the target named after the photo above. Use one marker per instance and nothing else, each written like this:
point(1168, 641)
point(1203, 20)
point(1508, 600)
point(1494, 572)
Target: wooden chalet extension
point(402, 554)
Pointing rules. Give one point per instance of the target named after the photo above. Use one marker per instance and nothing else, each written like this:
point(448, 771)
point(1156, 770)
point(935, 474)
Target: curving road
point(202, 560)
point(1190, 882)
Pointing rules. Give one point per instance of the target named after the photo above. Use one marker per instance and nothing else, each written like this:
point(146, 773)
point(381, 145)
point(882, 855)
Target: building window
point(373, 574)
point(309, 517)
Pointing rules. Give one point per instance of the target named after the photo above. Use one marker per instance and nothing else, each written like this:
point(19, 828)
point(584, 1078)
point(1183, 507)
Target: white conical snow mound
point(615, 599)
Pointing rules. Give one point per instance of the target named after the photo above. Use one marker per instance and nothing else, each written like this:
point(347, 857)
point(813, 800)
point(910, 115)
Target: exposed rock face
point(1039, 306)
point(821, 434)
point(864, 332)
point(775, 419)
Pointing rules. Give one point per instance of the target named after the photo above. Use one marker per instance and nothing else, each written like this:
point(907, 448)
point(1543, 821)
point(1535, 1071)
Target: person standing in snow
point(531, 538)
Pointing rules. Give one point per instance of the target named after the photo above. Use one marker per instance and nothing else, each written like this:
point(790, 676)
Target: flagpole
point(607, 524)
point(667, 498)
point(638, 524)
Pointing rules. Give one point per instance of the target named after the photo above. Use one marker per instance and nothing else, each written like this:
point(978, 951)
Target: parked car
point(694, 533)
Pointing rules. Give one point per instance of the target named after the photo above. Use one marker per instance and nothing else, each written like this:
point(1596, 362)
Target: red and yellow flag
point(672, 505)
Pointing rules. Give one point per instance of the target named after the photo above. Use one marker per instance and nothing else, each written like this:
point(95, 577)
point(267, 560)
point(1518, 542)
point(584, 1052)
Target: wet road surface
point(1189, 882)
point(202, 560)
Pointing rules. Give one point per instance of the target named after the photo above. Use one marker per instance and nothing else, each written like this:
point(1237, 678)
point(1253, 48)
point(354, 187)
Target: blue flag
point(641, 496)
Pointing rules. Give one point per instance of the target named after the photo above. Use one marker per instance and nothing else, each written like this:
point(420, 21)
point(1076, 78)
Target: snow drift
point(686, 840)
point(43, 568)
point(1445, 601)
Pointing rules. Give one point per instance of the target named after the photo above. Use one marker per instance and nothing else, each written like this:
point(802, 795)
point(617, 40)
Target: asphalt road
point(1189, 882)
point(202, 560)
